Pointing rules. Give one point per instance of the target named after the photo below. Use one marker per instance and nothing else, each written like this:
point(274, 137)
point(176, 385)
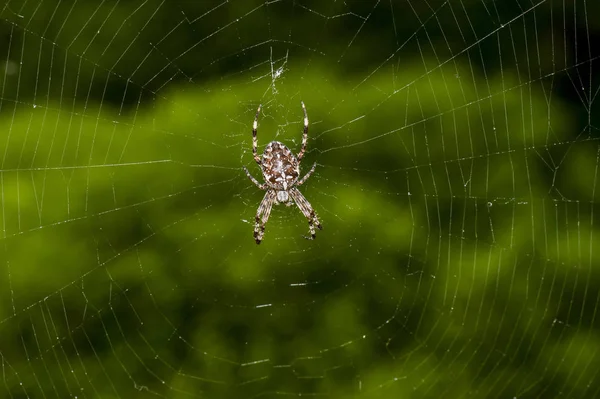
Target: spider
point(281, 169)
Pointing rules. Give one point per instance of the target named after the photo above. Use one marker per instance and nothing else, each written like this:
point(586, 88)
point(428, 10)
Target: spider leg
point(307, 210)
point(253, 180)
point(306, 176)
point(254, 139)
point(262, 215)
point(304, 134)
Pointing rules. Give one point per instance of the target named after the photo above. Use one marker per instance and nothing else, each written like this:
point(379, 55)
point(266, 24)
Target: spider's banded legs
point(306, 176)
point(264, 209)
point(262, 215)
point(307, 210)
point(253, 180)
point(304, 134)
point(254, 139)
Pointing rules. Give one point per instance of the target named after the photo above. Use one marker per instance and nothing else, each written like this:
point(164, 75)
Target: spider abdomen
point(280, 166)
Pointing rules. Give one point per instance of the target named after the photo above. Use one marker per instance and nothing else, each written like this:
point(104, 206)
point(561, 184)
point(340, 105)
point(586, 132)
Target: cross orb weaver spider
point(281, 169)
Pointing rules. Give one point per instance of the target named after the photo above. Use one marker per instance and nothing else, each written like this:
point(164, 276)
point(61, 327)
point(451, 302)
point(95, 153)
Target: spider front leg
point(262, 215)
point(307, 210)
point(253, 180)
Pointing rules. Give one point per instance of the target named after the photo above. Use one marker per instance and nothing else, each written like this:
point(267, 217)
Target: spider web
point(457, 158)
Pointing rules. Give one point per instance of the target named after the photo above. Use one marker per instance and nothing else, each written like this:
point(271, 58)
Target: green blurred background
point(457, 162)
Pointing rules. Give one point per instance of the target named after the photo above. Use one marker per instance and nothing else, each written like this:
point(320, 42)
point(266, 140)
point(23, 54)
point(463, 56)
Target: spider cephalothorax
point(281, 169)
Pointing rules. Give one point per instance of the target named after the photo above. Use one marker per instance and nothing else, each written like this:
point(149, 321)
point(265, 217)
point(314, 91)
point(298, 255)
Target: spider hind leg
point(254, 139)
point(304, 134)
point(253, 180)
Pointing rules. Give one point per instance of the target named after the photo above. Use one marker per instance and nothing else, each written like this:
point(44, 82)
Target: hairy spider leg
point(306, 176)
point(307, 210)
point(304, 134)
point(254, 139)
point(262, 215)
point(253, 180)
